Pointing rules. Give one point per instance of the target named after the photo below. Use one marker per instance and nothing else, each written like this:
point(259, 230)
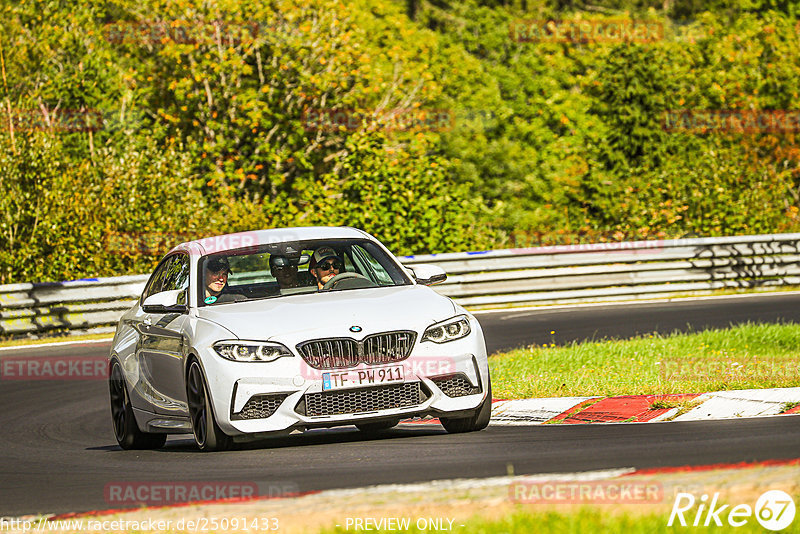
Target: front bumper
point(277, 397)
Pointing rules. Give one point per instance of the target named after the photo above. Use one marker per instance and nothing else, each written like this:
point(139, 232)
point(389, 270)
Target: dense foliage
point(126, 127)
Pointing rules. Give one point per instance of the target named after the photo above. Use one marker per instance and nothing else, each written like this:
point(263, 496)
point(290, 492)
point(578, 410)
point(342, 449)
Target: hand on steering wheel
point(330, 284)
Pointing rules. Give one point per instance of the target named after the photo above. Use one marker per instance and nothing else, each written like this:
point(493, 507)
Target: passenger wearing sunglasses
point(325, 264)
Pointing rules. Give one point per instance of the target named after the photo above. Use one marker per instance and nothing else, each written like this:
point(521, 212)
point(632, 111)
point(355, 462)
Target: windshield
point(292, 268)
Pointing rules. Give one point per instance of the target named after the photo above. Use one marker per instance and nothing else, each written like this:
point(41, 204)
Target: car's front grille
point(330, 353)
point(260, 406)
point(340, 353)
point(362, 400)
point(388, 348)
point(455, 385)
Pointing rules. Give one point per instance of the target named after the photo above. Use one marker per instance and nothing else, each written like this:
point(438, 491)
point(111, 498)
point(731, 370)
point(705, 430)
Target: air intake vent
point(362, 400)
point(455, 385)
point(260, 406)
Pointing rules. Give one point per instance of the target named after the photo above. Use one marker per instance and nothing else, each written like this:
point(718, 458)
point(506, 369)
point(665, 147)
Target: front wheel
point(125, 428)
point(207, 434)
point(478, 421)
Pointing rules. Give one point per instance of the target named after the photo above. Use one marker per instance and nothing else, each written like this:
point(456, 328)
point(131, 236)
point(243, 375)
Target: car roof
point(254, 238)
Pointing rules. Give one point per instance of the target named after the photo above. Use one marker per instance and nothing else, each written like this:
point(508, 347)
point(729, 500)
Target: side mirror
point(173, 301)
point(427, 274)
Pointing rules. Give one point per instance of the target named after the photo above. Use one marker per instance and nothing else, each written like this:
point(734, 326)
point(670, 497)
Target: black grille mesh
point(455, 385)
point(362, 400)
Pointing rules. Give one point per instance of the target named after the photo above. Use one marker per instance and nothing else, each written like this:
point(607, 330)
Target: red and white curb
point(527, 411)
point(743, 403)
point(640, 408)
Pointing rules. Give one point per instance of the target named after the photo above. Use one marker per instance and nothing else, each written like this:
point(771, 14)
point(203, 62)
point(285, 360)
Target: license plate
point(362, 377)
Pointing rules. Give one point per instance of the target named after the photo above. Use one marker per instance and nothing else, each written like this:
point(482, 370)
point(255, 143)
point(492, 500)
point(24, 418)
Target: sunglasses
point(328, 265)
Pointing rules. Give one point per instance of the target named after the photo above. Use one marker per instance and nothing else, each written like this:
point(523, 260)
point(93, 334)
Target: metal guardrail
point(617, 271)
point(537, 276)
point(79, 304)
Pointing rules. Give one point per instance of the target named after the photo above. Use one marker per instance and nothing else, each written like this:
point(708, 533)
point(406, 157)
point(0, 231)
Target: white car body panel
point(155, 357)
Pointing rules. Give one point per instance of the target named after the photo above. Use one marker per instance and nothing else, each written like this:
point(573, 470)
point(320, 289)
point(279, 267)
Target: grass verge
point(750, 356)
point(55, 339)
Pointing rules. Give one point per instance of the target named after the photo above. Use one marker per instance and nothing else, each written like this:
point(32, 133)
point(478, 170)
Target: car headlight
point(449, 330)
point(251, 351)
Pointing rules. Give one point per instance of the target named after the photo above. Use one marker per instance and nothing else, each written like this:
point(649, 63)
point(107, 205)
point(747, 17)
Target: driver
point(325, 264)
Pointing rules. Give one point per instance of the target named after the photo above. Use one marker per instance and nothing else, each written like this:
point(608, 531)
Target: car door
point(161, 347)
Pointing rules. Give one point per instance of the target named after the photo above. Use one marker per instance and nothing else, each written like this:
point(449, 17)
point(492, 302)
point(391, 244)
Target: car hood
point(294, 318)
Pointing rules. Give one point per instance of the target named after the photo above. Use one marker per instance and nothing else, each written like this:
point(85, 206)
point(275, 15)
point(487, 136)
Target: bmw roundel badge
point(355, 329)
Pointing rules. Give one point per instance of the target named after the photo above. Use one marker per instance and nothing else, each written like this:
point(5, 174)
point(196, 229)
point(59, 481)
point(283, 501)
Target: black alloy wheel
point(207, 434)
point(125, 428)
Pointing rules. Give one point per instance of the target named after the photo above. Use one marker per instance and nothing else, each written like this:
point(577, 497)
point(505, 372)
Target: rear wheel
point(207, 434)
point(125, 428)
point(478, 421)
point(376, 427)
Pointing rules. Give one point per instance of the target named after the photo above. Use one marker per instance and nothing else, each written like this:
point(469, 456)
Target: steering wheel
point(339, 277)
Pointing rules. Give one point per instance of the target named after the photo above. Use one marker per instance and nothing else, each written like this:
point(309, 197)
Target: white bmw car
point(249, 335)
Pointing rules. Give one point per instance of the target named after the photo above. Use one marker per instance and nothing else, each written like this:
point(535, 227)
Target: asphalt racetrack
point(59, 453)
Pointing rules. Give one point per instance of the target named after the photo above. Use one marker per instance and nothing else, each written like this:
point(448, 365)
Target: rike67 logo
point(774, 510)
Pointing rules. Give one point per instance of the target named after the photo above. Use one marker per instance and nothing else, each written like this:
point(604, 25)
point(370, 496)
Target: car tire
point(377, 426)
point(478, 421)
point(125, 428)
point(207, 434)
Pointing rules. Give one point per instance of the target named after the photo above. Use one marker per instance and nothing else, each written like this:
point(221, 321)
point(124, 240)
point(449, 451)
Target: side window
point(157, 280)
point(372, 267)
point(176, 275)
point(349, 266)
point(173, 273)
